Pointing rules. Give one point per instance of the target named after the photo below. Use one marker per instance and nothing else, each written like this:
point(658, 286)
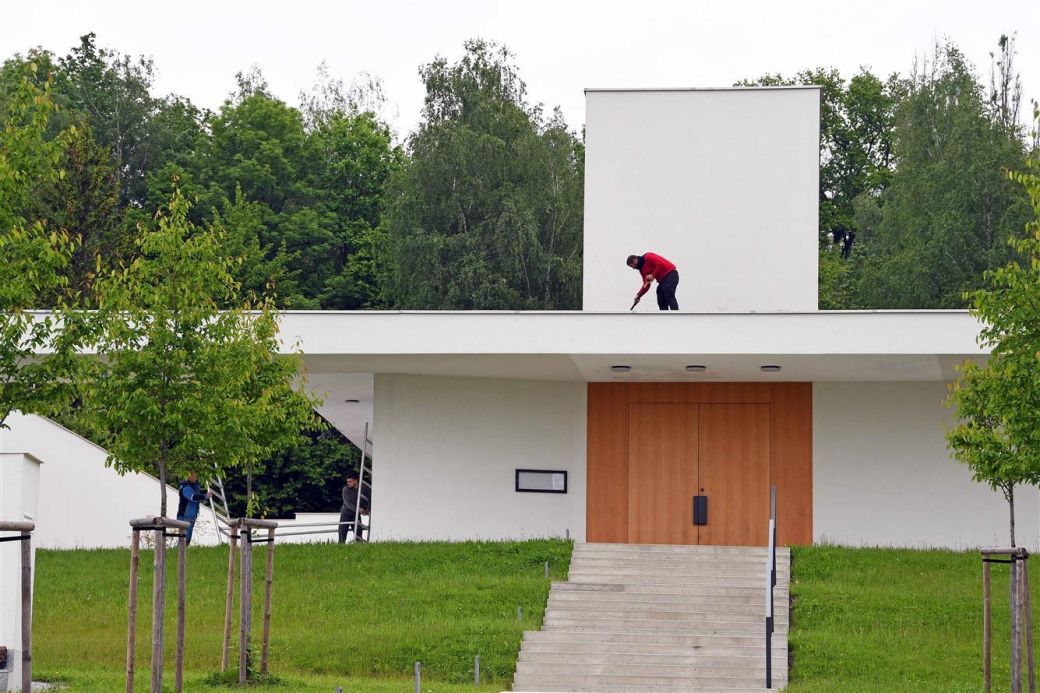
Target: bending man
point(652, 266)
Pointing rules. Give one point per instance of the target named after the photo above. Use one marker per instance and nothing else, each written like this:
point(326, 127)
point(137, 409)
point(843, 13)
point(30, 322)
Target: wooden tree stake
point(986, 626)
point(158, 610)
point(225, 660)
point(182, 557)
point(267, 600)
point(26, 611)
point(245, 606)
point(135, 559)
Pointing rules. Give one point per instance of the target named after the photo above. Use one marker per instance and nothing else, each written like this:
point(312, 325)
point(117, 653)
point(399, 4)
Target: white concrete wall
point(724, 183)
point(83, 503)
point(446, 451)
point(19, 500)
point(882, 475)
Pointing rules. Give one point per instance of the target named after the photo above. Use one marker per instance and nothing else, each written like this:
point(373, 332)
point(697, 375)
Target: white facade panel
point(19, 498)
point(446, 451)
point(724, 183)
point(83, 503)
point(882, 475)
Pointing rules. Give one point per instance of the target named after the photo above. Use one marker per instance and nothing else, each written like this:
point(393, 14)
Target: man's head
point(633, 261)
point(193, 477)
point(352, 479)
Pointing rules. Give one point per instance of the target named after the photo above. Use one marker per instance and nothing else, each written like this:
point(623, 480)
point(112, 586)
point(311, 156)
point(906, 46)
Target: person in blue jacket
point(189, 498)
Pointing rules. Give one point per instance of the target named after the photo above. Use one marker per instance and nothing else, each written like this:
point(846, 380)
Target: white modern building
point(605, 424)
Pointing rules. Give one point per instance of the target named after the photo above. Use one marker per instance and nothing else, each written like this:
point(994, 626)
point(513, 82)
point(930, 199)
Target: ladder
point(216, 485)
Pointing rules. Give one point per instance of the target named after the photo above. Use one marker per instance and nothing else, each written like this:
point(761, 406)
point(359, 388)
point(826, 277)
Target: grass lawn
point(360, 616)
point(896, 620)
point(357, 616)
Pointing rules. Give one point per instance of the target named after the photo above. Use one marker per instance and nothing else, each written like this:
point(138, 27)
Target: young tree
point(36, 258)
point(998, 434)
point(184, 385)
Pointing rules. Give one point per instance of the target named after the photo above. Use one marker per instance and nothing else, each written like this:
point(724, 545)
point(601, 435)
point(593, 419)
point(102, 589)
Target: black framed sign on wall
point(541, 481)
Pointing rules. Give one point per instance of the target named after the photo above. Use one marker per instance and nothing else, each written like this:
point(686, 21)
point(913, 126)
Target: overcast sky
point(561, 46)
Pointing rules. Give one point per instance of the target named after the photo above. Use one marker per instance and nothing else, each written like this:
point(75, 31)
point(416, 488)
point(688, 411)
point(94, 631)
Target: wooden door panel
point(662, 474)
point(734, 473)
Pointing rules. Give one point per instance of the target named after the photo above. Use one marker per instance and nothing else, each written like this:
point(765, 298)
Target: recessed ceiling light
point(353, 401)
point(621, 369)
point(696, 368)
point(770, 369)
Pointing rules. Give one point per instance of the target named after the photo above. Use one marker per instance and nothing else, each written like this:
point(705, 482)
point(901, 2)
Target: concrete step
point(601, 688)
point(568, 682)
point(622, 625)
point(637, 578)
point(702, 589)
point(756, 598)
point(564, 638)
point(756, 567)
point(642, 649)
point(758, 609)
point(641, 668)
point(754, 572)
point(660, 616)
point(682, 549)
point(751, 658)
point(683, 558)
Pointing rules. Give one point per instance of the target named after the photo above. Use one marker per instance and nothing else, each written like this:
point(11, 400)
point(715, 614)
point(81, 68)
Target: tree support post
point(25, 530)
point(225, 660)
point(182, 555)
point(246, 593)
point(267, 600)
point(135, 559)
point(158, 525)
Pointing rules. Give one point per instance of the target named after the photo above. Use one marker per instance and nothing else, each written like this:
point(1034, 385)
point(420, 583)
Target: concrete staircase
point(658, 618)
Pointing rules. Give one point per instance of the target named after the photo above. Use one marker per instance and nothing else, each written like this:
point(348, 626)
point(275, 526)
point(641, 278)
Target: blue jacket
point(190, 497)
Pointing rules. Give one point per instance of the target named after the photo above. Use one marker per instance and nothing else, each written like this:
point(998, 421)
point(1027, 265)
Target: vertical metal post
point(417, 678)
point(360, 485)
point(519, 614)
point(476, 670)
point(547, 569)
point(135, 559)
point(770, 584)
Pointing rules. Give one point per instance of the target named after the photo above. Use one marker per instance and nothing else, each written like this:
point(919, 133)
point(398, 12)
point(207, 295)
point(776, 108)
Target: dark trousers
point(348, 516)
point(666, 291)
point(191, 526)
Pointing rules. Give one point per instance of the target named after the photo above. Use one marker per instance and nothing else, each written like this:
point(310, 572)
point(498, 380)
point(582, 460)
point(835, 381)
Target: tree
point(948, 212)
point(84, 200)
point(488, 212)
point(185, 386)
point(36, 258)
point(998, 405)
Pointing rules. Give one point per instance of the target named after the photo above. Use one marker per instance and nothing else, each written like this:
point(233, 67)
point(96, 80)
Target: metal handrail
point(770, 584)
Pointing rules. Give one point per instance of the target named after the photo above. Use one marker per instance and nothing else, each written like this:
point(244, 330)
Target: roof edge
point(670, 89)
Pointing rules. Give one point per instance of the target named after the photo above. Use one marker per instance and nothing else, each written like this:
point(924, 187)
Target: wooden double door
point(718, 451)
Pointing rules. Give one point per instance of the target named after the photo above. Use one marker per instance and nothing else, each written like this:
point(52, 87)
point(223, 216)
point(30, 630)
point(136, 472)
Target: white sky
point(561, 46)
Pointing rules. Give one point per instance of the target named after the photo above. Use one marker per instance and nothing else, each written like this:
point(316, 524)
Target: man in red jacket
point(652, 266)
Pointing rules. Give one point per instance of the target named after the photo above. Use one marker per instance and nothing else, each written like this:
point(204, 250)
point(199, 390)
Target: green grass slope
point(340, 613)
point(896, 620)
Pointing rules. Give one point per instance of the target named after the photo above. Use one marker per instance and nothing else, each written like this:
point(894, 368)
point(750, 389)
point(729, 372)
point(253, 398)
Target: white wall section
point(83, 503)
point(724, 183)
point(882, 475)
point(446, 451)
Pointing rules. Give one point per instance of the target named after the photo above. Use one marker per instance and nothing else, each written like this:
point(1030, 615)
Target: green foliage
point(183, 385)
point(998, 435)
point(488, 212)
point(36, 258)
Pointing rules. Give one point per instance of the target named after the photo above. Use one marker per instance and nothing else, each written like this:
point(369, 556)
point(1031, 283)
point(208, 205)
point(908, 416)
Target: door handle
point(700, 510)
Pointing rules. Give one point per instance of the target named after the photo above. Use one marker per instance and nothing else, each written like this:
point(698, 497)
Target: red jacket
point(656, 266)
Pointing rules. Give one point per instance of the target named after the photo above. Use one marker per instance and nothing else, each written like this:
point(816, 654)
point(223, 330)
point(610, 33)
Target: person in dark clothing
point(652, 266)
point(351, 496)
point(189, 497)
